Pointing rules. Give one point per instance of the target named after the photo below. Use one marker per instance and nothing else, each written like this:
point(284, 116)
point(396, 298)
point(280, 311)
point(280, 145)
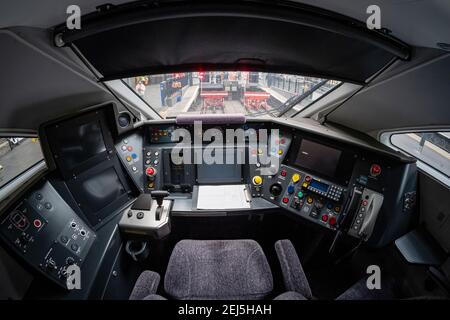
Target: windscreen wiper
point(285, 107)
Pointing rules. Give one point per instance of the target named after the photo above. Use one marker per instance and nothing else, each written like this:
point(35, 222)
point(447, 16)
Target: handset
point(374, 203)
point(350, 208)
point(363, 223)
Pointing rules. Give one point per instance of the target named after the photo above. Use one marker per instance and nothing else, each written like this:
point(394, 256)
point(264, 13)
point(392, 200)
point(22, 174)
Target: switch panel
point(306, 195)
point(47, 233)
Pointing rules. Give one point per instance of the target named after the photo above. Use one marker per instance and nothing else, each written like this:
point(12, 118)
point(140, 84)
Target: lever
point(159, 196)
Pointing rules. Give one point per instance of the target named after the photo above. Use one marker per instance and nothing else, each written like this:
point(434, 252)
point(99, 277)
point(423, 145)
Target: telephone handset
point(364, 220)
point(350, 208)
point(360, 214)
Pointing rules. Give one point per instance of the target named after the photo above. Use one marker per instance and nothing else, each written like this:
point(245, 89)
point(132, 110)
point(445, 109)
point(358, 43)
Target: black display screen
point(80, 143)
point(316, 157)
point(100, 190)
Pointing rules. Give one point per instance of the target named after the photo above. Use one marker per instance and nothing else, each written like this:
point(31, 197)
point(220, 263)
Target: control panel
point(152, 168)
point(47, 233)
point(259, 170)
point(161, 135)
point(129, 150)
point(306, 195)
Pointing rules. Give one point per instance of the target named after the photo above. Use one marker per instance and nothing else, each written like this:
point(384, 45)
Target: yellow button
point(260, 151)
point(305, 185)
point(295, 178)
point(280, 152)
point(309, 200)
point(151, 184)
point(128, 158)
point(257, 180)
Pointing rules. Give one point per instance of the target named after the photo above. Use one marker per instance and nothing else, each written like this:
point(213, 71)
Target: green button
point(300, 194)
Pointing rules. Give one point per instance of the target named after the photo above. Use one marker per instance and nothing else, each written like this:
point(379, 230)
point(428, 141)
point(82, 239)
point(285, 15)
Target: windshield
point(255, 94)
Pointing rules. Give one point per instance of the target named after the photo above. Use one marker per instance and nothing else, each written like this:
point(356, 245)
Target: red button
point(130, 148)
point(375, 170)
point(282, 141)
point(308, 178)
point(324, 218)
point(150, 171)
point(283, 173)
point(285, 200)
point(37, 223)
point(332, 221)
point(364, 202)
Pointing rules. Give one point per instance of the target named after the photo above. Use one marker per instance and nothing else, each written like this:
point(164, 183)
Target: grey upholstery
point(218, 269)
point(293, 275)
point(359, 291)
point(146, 285)
point(290, 295)
point(154, 297)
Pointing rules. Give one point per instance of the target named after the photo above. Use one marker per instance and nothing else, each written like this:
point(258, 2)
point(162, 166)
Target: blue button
point(290, 189)
point(329, 205)
point(134, 155)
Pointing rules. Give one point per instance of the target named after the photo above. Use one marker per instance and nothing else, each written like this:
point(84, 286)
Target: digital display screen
point(99, 190)
point(78, 144)
point(319, 186)
point(318, 158)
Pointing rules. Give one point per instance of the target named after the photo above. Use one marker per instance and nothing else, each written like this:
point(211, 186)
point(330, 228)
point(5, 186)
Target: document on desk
point(223, 197)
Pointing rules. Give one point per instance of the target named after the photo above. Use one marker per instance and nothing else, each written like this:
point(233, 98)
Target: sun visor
point(126, 41)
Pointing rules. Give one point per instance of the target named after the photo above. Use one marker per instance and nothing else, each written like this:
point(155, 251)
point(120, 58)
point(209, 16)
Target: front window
point(17, 155)
point(254, 94)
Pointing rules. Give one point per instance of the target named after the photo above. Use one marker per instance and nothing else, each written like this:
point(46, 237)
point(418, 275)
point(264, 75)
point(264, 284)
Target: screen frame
point(74, 184)
point(53, 131)
point(344, 167)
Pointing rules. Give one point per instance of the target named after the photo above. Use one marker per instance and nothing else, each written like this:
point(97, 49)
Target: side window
point(431, 148)
point(17, 155)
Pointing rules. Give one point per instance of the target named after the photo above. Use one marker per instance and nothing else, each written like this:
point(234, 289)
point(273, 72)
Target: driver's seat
point(211, 270)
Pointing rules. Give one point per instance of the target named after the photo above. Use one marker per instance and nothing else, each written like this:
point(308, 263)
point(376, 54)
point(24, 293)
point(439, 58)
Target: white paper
point(223, 197)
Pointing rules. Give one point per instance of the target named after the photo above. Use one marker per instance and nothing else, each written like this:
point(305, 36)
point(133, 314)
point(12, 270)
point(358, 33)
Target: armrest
point(293, 275)
point(146, 285)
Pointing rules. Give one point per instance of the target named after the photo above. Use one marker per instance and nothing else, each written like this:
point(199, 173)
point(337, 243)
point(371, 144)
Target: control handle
point(159, 196)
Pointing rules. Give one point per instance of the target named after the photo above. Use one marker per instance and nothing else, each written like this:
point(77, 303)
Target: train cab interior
point(210, 150)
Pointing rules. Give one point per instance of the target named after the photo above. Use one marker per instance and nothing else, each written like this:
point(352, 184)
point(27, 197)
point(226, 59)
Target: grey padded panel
point(415, 98)
point(293, 275)
point(218, 269)
point(146, 285)
point(39, 85)
point(359, 291)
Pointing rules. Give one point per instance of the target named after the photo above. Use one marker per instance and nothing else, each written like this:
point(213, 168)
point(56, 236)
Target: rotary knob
point(276, 189)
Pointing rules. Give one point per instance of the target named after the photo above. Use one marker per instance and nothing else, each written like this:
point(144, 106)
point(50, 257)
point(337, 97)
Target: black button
point(140, 215)
point(130, 214)
point(74, 247)
point(70, 261)
point(48, 205)
point(64, 239)
point(39, 196)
